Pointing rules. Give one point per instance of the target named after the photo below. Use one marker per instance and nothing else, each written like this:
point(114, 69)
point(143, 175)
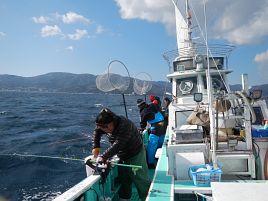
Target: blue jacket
point(151, 113)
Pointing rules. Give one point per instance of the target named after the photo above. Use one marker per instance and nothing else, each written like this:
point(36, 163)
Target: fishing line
point(42, 156)
point(71, 140)
point(66, 158)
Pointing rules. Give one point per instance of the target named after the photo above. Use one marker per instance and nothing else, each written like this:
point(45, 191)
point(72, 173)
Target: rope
point(204, 36)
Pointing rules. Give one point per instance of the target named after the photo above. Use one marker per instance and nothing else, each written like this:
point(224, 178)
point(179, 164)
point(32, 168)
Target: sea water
point(49, 124)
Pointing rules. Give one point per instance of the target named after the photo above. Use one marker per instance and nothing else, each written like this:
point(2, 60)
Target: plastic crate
point(204, 177)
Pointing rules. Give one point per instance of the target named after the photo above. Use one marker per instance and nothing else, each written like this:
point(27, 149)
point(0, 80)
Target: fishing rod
point(70, 159)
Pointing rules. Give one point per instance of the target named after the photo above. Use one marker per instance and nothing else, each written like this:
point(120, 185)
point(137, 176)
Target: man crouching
point(127, 144)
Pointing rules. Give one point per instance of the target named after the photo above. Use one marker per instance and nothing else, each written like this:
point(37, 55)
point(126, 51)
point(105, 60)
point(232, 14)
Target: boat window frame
point(180, 111)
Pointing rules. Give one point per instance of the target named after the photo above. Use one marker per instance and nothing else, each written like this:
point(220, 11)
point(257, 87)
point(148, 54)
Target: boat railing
point(78, 190)
point(188, 53)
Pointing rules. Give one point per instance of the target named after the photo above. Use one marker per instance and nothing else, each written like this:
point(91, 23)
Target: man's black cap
point(105, 117)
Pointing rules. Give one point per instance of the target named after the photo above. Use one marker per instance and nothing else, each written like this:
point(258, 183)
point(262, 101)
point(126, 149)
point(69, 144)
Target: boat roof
point(215, 50)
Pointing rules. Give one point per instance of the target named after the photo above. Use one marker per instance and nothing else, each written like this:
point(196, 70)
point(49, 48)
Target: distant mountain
point(82, 83)
point(53, 82)
point(68, 82)
point(236, 87)
point(263, 87)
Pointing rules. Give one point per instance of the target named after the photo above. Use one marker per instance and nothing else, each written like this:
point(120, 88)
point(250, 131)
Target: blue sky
point(83, 36)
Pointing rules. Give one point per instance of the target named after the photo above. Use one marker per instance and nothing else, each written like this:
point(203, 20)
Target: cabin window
point(182, 65)
point(217, 83)
point(186, 86)
point(259, 116)
point(181, 117)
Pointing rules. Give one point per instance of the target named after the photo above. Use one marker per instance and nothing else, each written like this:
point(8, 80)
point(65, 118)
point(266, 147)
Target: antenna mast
point(189, 23)
point(210, 99)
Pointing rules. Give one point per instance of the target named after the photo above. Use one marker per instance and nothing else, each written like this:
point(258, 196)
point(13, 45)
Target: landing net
point(142, 83)
point(115, 77)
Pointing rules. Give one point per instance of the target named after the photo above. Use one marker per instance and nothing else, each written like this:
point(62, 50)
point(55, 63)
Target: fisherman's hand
point(99, 160)
point(140, 129)
point(96, 152)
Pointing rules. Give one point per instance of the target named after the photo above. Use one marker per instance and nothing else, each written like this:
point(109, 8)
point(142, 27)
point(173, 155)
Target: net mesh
point(142, 83)
point(103, 83)
point(116, 77)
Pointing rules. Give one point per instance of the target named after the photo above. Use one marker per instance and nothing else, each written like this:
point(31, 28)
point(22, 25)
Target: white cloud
point(40, 20)
point(262, 57)
point(242, 21)
point(2, 34)
point(70, 48)
point(50, 31)
point(150, 10)
point(72, 17)
point(99, 29)
point(239, 21)
point(79, 33)
point(261, 60)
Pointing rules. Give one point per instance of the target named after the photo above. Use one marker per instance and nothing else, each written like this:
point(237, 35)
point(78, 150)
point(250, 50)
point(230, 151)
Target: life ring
point(265, 165)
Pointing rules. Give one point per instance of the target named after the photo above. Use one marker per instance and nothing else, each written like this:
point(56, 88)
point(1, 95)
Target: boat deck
point(164, 187)
point(162, 183)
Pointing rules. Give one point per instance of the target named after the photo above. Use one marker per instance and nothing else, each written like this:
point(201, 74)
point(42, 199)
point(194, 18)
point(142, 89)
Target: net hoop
point(142, 83)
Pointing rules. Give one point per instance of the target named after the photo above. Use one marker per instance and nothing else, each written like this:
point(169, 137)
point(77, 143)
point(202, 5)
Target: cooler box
point(259, 132)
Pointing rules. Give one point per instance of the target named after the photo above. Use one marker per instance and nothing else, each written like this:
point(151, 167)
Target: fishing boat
point(216, 145)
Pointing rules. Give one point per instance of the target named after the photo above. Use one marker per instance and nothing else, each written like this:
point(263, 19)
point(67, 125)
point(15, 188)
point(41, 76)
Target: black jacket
point(126, 140)
point(147, 113)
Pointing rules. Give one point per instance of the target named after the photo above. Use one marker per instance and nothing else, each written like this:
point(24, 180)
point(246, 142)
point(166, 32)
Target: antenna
point(210, 98)
point(189, 22)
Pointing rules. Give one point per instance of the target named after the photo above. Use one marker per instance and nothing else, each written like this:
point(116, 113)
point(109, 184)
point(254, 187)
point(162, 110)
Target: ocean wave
point(50, 124)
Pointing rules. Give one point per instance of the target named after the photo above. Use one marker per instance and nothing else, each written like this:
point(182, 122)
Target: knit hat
point(104, 117)
point(167, 99)
point(155, 102)
point(152, 97)
point(140, 102)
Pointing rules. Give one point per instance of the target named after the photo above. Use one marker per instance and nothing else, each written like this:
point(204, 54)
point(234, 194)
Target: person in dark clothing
point(151, 115)
point(127, 144)
point(167, 101)
point(144, 117)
